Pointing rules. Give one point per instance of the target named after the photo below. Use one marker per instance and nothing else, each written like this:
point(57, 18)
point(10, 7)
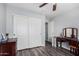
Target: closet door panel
point(34, 32)
point(21, 31)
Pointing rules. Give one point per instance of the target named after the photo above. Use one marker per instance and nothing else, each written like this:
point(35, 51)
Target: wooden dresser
point(8, 48)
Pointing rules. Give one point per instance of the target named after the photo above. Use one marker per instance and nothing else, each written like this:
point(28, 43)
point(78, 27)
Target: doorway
point(47, 42)
point(46, 31)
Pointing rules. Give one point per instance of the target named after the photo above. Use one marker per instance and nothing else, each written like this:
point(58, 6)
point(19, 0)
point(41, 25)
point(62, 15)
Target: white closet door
point(21, 31)
point(35, 32)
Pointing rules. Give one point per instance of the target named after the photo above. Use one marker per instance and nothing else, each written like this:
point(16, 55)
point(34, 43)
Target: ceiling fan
point(54, 6)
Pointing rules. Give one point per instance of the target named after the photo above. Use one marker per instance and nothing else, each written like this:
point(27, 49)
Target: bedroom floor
point(48, 50)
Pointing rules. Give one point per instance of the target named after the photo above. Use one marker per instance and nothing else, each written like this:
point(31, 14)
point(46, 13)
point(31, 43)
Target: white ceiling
point(47, 9)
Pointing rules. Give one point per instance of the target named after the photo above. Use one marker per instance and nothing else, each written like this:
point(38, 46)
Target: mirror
point(70, 32)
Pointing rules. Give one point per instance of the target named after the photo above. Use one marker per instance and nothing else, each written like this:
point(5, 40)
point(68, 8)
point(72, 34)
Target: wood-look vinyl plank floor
point(48, 50)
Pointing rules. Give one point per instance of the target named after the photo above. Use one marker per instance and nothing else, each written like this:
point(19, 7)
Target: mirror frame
point(74, 32)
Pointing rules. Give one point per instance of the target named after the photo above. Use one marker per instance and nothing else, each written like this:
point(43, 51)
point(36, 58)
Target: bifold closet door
point(28, 32)
point(21, 31)
point(35, 32)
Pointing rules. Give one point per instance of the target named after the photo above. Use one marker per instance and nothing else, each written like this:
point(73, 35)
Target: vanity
point(70, 35)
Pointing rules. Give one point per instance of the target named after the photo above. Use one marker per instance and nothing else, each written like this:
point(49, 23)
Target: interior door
point(21, 31)
point(35, 32)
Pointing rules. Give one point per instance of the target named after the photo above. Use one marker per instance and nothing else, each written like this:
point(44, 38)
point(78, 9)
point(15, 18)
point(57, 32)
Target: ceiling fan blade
point(54, 7)
point(43, 5)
